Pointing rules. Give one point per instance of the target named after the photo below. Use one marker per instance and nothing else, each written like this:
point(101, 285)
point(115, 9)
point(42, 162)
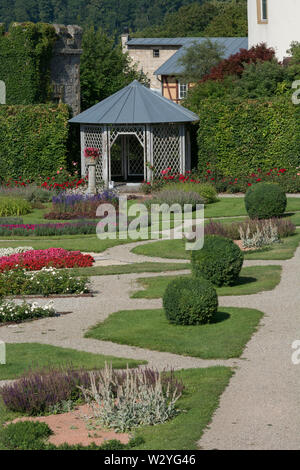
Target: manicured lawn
point(175, 249)
point(226, 337)
point(24, 356)
point(172, 249)
point(235, 206)
point(199, 401)
point(253, 279)
point(129, 268)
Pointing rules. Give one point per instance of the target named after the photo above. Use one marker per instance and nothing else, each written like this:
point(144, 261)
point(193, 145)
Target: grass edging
point(21, 357)
point(253, 279)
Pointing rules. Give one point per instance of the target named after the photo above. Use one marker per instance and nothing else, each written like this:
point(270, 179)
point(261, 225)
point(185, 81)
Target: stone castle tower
point(65, 66)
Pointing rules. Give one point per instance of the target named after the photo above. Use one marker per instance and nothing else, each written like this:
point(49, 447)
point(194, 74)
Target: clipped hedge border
point(33, 140)
point(238, 137)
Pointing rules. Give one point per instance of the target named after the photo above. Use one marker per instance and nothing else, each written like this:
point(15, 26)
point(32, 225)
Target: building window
point(155, 52)
point(183, 89)
point(262, 11)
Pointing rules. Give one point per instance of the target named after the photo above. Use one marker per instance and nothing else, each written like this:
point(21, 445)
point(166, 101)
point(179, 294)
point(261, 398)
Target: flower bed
point(284, 227)
point(72, 206)
point(288, 179)
point(12, 251)
point(11, 206)
point(50, 229)
point(13, 313)
point(62, 180)
point(35, 260)
point(47, 281)
point(45, 390)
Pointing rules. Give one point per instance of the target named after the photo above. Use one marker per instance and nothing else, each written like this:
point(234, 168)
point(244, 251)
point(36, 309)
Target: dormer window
point(155, 52)
point(262, 11)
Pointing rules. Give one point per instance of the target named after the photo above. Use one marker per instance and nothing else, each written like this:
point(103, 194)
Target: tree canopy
point(214, 18)
point(104, 69)
point(199, 59)
point(161, 18)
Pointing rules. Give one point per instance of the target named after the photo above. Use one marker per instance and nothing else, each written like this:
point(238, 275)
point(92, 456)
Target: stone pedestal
point(92, 178)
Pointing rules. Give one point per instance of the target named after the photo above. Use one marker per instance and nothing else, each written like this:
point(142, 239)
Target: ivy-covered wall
point(33, 140)
point(25, 55)
point(238, 137)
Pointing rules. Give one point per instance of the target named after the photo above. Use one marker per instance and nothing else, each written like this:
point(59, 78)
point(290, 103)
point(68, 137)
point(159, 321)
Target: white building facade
point(274, 22)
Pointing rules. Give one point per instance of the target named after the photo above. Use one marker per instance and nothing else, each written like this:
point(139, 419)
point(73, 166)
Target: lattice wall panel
point(166, 149)
point(93, 137)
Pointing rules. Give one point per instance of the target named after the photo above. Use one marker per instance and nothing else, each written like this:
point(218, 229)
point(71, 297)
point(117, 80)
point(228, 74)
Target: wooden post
point(148, 153)
point(182, 148)
point(82, 147)
point(106, 164)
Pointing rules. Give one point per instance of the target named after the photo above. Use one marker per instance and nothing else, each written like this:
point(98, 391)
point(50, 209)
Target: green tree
point(293, 64)
point(199, 59)
point(104, 69)
point(45, 11)
point(263, 79)
point(189, 20)
point(231, 21)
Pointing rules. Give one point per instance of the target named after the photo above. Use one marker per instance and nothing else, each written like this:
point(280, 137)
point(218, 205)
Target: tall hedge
point(238, 137)
point(25, 56)
point(33, 140)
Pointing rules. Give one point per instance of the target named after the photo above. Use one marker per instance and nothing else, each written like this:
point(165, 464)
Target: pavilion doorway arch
point(127, 153)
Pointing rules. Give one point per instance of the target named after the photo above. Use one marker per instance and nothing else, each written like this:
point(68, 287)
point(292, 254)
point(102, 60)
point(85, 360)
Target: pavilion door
point(127, 153)
point(134, 158)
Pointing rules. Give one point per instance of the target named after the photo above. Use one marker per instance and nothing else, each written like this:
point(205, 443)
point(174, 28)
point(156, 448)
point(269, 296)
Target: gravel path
point(121, 254)
point(259, 409)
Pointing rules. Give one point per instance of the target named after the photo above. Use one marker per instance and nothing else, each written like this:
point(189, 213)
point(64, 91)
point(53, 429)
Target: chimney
point(124, 39)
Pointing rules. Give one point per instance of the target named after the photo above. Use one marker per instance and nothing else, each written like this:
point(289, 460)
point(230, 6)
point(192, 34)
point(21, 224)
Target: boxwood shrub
point(265, 200)
point(220, 261)
point(188, 301)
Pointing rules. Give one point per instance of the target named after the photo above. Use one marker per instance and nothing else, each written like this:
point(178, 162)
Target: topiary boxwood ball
point(265, 200)
point(220, 261)
point(189, 301)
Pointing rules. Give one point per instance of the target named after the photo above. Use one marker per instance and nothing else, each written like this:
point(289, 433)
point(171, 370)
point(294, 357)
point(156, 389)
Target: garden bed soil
point(71, 428)
point(240, 245)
